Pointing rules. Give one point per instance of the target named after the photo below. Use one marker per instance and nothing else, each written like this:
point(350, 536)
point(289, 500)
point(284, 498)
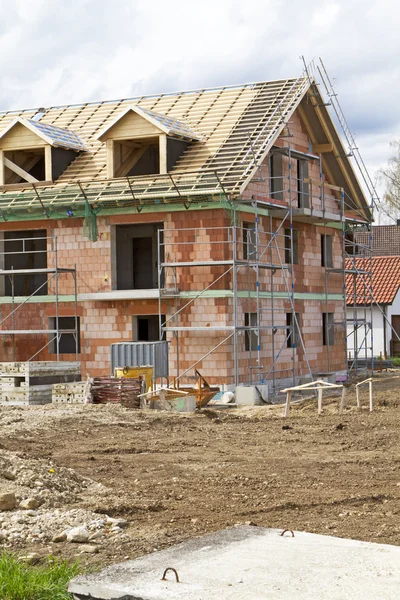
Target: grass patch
point(395, 361)
point(19, 581)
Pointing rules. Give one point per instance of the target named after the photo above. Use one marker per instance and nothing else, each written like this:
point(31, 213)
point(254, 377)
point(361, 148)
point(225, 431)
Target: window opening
point(67, 343)
point(328, 334)
point(249, 241)
point(25, 250)
point(136, 256)
point(251, 335)
point(289, 247)
point(326, 251)
point(302, 184)
point(293, 333)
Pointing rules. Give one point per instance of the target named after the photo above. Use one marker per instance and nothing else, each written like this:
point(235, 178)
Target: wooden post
point(288, 399)
point(341, 405)
point(163, 153)
point(2, 168)
point(110, 158)
point(320, 400)
point(358, 398)
point(371, 404)
point(48, 163)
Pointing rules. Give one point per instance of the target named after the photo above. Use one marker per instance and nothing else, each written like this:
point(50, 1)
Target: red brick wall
point(196, 235)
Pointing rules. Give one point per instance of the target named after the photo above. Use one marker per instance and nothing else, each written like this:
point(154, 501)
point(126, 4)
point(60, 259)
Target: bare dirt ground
point(175, 476)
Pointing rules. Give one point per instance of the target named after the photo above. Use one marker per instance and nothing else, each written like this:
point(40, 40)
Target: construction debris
point(169, 399)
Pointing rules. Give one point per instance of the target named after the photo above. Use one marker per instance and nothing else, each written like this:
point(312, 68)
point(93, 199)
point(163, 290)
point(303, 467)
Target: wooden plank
point(27, 165)
point(340, 159)
point(341, 406)
point(110, 158)
point(2, 168)
point(21, 138)
point(371, 401)
point(132, 126)
point(48, 164)
point(287, 406)
point(320, 391)
point(130, 161)
point(162, 140)
point(16, 169)
point(322, 148)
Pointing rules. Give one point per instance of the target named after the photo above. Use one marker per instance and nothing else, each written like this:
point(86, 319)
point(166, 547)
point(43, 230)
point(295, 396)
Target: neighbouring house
point(383, 240)
point(373, 327)
point(213, 218)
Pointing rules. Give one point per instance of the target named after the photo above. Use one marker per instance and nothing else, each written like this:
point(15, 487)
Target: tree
point(390, 177)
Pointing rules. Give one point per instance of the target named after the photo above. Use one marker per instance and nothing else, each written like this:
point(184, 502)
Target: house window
point(302, 184)
point(24, 250)
point(276, 176)
point(136, 256)
point(328, 333)
point(326, 251)
point(251, 335)
point(351, 248)
point(289, 247)
point(293, 339)
point(69, 335)
point(145, 328)
point(249, 241)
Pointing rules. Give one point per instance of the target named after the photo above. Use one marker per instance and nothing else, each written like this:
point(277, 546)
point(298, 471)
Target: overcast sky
point(70, 51)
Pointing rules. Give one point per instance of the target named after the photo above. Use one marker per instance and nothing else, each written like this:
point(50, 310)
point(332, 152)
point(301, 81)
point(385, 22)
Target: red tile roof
point(385, 239)
point(385, 279)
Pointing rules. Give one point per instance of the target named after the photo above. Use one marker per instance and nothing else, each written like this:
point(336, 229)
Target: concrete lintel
point(151, 294)
point(265, 295)
point(245, 563)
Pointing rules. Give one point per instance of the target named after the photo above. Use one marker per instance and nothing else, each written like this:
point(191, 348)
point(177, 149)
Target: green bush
point(20, 581)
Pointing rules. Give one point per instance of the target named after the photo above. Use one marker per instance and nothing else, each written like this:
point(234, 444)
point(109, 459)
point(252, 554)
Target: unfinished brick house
point(213, 218)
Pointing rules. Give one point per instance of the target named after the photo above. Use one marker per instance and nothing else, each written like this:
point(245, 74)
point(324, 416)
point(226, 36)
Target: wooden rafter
point(337, 150)
point(322, 148)
point(313, 139)
point(130, 161)
point(235, 124)
point(19, 171)
point(27, 165)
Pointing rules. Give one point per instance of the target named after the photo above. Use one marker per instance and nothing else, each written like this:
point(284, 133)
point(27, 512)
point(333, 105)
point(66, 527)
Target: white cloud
point(57, 52)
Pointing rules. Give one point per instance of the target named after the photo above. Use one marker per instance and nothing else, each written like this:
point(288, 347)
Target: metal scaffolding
point(307, 200)
point(250, 261)
point(50, 281)
point(360, 299)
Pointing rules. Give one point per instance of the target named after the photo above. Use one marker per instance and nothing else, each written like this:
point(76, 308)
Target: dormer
point(142, 142)
point(33, 152)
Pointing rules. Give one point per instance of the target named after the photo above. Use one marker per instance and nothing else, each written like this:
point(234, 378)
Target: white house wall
point(377, 320)
point(379, 326)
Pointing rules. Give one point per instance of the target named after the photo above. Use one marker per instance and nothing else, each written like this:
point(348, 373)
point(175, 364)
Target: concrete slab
point(253, 563)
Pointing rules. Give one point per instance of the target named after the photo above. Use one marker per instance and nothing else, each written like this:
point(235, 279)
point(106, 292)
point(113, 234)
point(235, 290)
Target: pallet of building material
point(19, 396)
point(117, 390)
point(31, 382)
point(48, 368)
point(77, 392)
